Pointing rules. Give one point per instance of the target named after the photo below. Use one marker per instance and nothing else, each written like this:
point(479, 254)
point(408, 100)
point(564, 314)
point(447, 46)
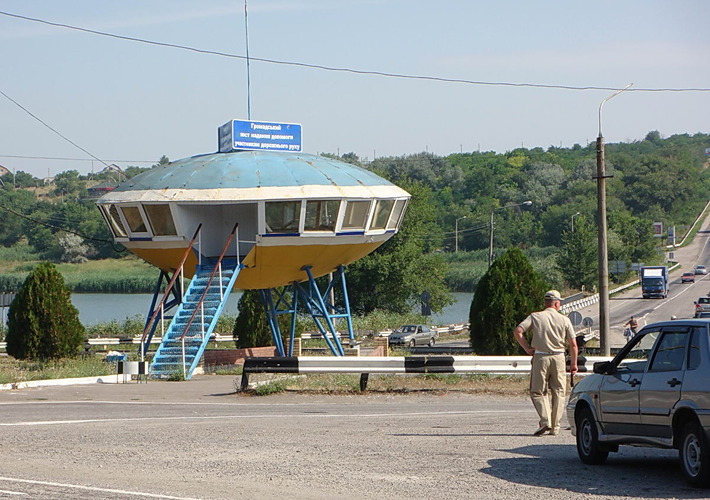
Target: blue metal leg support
point(346, 302)
point(320, 309)
point(272, 318)
point(278, 302)
point(176, 292)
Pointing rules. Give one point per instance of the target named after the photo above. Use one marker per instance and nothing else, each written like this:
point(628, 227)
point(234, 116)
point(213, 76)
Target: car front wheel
point(412, 343)
point(432, 342)
point(588, 447)
point(694, 455)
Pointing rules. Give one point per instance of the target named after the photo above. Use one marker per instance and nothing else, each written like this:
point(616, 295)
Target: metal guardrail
point(458, 327)
point(136, 340)
point(409, 364)
point(593, 299)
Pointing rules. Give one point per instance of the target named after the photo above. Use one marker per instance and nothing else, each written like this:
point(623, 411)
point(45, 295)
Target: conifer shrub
point(43, 324)
point(251, 328)
point(507, 293)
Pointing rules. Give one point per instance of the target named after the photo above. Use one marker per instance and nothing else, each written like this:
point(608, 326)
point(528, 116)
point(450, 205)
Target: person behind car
point(628, 334)
point(632, 324)
point(548, 381)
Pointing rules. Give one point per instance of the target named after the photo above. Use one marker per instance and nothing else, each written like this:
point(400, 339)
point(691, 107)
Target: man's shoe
point(554, 432)
point(542, 430)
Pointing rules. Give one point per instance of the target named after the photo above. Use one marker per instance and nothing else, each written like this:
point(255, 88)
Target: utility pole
point(603, 257)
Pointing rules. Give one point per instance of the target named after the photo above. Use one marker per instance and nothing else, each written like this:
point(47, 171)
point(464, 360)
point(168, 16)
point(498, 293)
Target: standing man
point(548, 381)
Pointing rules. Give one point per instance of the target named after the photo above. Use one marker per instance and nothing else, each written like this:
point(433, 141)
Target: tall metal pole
point(490, 233)
point(490, 241)
point(456, 233)
point(602, 237)
point(246, 34)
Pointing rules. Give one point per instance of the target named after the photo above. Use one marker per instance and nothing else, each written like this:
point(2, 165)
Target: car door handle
point(634, 382)
point(673, 382)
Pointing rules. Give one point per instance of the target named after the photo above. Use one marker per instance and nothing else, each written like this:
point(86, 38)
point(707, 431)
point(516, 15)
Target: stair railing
point(200, 304)
point(161, 306)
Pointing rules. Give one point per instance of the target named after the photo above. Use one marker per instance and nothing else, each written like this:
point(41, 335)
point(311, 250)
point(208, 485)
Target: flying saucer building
point(293, 210)
point(249, 220)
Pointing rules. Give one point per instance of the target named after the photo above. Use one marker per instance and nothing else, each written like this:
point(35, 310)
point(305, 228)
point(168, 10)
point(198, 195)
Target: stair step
point(169, 357)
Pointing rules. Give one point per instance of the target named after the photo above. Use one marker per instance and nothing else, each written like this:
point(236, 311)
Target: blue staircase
point(170, 360)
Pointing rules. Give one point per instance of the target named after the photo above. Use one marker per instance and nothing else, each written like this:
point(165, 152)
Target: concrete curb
point(103, 379)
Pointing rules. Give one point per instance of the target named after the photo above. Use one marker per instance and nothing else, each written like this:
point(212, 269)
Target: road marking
point(261, 416)
point(92, 488)
point(18, 493)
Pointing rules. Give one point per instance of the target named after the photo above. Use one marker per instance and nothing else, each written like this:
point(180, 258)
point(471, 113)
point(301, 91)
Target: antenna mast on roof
point(246, 33)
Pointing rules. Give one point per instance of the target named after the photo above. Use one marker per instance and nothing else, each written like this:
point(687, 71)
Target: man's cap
point(553, 295)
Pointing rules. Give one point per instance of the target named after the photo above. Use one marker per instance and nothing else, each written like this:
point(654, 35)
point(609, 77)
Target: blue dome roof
point(252, 169)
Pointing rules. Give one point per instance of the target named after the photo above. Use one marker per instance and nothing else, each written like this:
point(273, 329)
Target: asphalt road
point(199, 439)
point(680, 299)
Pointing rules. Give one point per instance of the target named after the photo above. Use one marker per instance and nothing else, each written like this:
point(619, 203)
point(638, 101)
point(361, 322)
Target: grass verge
point(505, 385)
point(12, 370)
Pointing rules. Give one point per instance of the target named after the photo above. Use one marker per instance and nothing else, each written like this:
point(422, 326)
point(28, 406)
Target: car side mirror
point(603, 367)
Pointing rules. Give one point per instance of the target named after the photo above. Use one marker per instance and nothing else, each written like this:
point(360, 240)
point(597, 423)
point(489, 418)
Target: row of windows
point(322, 215)
point(140, 219)
point(670, 353)
point(280, 217)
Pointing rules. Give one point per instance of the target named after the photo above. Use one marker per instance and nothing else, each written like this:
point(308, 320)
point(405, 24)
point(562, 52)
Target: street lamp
point(490, 239)
point(602, 236)
point(456, 233)
point(573, 216)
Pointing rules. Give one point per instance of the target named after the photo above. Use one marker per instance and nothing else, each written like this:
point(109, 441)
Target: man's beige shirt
point(549, 329)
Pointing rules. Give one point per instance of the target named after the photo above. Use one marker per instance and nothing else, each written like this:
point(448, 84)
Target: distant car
point(702, 305)
point(688, 278)
point(413, 335)
point(655, 393)
point(701, 270)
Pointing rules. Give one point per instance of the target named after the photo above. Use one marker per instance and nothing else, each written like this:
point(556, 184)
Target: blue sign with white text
point(242, 134)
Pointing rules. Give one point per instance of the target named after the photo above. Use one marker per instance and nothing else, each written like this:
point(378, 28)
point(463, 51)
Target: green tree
point(251, 328)
point(68, 184)
point(393, 277)
point(507, 293)
point(578, 258)
point(42, 322)
point(18, 180)
point(12, 203)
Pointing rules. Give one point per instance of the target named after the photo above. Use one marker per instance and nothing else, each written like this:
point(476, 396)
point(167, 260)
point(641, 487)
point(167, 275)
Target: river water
point(103, 307)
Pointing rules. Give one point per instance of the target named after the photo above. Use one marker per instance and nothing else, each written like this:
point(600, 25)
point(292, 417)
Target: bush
point(506, 294)
point(43, 324)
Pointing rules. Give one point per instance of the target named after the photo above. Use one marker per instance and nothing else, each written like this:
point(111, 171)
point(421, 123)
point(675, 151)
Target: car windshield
point(635, 360)
point(653, 281)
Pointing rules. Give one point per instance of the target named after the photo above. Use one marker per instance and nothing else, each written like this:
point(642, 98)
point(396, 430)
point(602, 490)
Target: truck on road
point(654, 282)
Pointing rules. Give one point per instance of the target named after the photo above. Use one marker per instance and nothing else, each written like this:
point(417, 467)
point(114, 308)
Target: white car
point(700, 269)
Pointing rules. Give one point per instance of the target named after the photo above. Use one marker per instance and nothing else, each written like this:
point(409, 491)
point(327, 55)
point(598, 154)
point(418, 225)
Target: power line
point(347, 70)
point(72, 159)
point(51, 226)
point(50, 128)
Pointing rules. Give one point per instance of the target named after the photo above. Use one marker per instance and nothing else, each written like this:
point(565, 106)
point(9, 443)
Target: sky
point(129, 103)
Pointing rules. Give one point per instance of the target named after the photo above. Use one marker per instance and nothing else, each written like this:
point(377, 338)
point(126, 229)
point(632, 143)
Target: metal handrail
point(160, 306)
point(218, 266)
